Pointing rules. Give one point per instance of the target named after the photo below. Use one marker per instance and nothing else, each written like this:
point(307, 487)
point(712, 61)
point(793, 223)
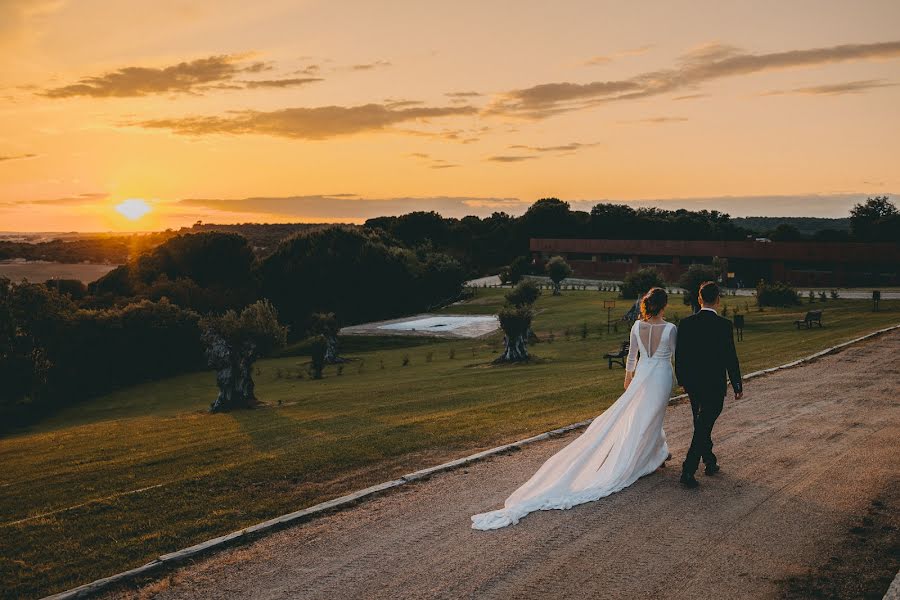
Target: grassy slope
point(217, 473)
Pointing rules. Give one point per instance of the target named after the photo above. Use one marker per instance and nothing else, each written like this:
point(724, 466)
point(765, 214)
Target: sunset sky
point(233, 111)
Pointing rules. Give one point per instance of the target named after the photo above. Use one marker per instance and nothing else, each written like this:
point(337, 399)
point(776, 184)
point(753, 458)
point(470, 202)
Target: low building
point(818, 264)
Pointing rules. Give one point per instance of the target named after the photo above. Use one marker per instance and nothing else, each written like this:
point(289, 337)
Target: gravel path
point(802, 454)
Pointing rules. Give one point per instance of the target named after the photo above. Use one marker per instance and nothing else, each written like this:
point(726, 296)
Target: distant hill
point(806, 225)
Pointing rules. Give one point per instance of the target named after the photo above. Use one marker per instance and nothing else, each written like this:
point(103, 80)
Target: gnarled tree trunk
point(516, 349)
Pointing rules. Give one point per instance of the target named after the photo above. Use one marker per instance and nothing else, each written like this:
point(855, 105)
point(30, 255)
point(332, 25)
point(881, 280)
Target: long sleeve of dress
point(631, 363)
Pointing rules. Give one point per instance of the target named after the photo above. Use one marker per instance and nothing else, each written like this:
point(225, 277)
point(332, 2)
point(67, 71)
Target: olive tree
point(234, 341)
point(558, 269)
point(515, 321)
point(326, 325)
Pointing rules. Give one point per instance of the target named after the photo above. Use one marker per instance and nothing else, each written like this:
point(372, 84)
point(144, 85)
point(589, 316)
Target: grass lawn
point(118, 480)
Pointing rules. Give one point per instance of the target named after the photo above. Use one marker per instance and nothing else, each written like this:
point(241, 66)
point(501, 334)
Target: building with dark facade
point(820, 264)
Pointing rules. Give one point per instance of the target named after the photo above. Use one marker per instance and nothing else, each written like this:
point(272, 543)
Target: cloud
point(571, 147)
point(395, 103)
point(78, 200)
point(658, 120)
point(691, 97)
point(369, 66)
point(17, 157)
point(185, 77)
point(700, 65)
point(334, 208)
point(608, 58)
point(316, 123)
point(509, 159)
point(835, 89)
point(434, 163)
point(280, 83)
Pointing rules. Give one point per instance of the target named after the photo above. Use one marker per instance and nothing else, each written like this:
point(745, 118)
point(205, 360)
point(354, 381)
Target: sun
point(133, 208)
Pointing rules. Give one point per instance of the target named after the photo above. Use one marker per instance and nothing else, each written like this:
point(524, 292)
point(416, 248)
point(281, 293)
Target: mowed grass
point(114, 482)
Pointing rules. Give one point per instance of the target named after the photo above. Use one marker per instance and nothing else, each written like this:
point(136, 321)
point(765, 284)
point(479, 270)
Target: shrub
point(525, 293)
point(639, 282)
point(776, 294)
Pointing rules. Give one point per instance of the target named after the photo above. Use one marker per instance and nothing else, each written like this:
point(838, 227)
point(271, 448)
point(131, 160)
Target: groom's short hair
point(709, 292)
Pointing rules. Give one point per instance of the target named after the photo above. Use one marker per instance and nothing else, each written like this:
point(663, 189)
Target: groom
point(704, 353)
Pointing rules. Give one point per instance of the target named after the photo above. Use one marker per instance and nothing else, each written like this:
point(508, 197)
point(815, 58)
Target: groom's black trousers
point(706, 406)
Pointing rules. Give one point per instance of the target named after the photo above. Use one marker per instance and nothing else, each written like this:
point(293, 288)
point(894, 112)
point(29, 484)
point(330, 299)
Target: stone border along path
point(255, 531)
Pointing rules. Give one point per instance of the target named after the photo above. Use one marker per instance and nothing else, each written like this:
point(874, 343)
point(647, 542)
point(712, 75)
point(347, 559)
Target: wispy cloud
point(657, 120)
point(16, 157)
point(566, 148)
point(835, 89)
point(433, 163)
point(184, 77)
point(378, 64)
point(77, 200)
point(327, 208)
point(316, 123)
point(280, 83)
point(608, 58)
point(701, 65)
point(510, 158)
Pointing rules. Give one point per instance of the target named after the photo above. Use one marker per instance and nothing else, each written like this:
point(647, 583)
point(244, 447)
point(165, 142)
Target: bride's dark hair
point(653, 302)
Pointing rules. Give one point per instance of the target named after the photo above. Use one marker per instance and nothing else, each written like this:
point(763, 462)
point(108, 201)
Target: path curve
point(803, 454)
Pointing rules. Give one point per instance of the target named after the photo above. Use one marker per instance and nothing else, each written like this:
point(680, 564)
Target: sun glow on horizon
point(133, 208)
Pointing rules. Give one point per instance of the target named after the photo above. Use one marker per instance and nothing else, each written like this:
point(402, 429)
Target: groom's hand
point(738, 395)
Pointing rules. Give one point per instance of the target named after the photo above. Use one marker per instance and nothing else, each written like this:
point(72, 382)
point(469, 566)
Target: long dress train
point(623, 444)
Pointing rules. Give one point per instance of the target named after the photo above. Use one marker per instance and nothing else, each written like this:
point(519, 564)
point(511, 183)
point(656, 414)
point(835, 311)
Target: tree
point(318, 352)
point(558, 269)
point(520, 266)
point(691, 280)
point(785, 233)
point(326, 325)
point(525, 293)
point(876, 220)
point(637, 283)
point(515, 321)
point(233, 343)
point(340, 268)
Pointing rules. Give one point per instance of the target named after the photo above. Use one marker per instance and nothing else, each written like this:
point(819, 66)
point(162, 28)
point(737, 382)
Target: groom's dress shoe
point(689, 481)
point(712, 469)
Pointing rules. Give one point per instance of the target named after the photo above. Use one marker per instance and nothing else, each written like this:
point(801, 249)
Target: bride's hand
point(628, 377)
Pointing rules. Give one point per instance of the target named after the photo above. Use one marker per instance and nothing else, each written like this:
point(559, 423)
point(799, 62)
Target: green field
point(119, 480)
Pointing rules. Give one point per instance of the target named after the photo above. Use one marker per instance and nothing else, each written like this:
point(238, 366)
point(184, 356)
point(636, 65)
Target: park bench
point(813, 316)
point(620, 356)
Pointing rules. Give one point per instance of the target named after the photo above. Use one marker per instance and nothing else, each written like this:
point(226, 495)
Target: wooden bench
point(620, 356)
point(813, 316)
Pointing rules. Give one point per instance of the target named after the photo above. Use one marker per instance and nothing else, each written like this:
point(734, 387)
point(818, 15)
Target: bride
point(623, 444)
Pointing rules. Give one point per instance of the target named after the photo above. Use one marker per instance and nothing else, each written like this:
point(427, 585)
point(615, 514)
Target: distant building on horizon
point(816, 264)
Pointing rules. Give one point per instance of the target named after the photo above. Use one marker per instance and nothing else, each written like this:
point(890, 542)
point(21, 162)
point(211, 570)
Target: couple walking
point(627, 441)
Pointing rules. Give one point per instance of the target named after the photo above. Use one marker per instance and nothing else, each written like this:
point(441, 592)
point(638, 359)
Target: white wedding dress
point(623, 444)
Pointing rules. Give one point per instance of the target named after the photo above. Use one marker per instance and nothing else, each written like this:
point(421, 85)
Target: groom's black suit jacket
point(705, 353)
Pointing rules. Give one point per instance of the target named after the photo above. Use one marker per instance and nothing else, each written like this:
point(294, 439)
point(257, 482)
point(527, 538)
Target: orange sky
point(230, 111)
